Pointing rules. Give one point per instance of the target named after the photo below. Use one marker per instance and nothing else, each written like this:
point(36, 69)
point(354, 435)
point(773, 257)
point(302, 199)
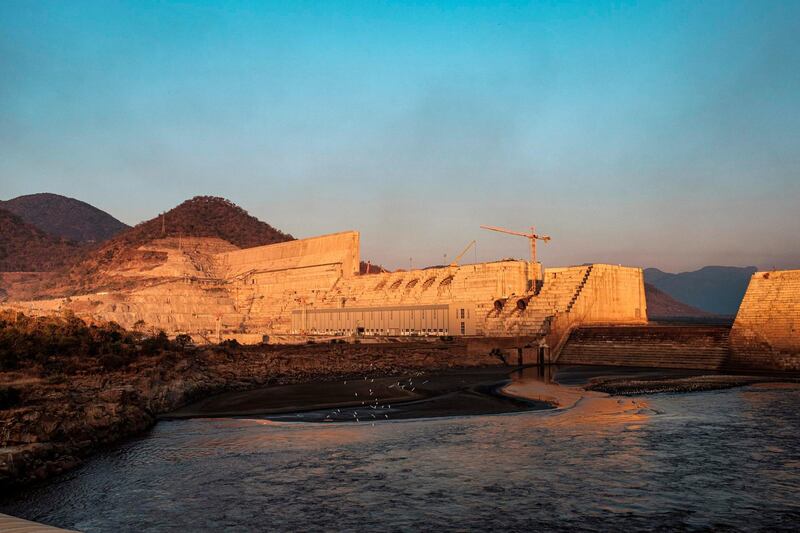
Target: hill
point(65, 217)
point(202, 216)
point(662, 305)
point(715, 289)
point(24, 247)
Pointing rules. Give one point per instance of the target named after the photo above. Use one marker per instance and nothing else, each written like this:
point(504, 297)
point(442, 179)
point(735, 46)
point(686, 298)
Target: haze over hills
point(662, 305)
point(24, 247)
point(716, 289)
point(65, 217)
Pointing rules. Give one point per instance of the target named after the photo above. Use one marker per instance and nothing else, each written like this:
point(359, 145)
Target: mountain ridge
point(715, 289)
point(662, 305)
point(65, 217)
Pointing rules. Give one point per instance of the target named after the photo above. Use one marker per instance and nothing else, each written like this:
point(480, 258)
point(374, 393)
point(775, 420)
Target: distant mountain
point(715, 289)
point(202, 216)
point(65, 217)
point(24, 247)
point(662, 305)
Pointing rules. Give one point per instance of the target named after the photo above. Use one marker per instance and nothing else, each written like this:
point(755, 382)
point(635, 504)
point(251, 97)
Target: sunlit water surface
point(720, 460)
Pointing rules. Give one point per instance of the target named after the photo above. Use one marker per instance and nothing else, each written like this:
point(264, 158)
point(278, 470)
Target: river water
point(722, 460)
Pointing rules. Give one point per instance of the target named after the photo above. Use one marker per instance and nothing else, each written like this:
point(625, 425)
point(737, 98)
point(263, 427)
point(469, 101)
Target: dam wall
point(570, 296)
point(338, 250)
point(766, 332)
point(313, 287)
point(689, 347)
point(321, 301)
point(608, 294)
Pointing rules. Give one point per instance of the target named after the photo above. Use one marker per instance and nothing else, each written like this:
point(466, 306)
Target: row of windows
point(384, 331)
point(380, 315)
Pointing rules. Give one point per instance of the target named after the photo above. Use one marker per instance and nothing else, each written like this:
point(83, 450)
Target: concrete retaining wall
point(766, 332)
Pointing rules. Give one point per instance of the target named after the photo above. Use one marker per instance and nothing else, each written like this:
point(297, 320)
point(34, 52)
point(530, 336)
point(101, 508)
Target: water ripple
point(716, 460)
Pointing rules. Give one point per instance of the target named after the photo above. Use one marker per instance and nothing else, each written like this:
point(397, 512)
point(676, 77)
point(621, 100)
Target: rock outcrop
point(53, 423)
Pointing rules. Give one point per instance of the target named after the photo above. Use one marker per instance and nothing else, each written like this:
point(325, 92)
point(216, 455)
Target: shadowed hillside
point(662, 305)
point(24, 247)
point(715, 289)
point(65, 217)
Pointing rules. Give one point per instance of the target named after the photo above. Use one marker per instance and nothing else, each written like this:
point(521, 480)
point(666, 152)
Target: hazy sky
point(645, 133)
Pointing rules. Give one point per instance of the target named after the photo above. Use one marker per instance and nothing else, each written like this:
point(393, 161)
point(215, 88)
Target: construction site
point(294, 290)
point(312, 290)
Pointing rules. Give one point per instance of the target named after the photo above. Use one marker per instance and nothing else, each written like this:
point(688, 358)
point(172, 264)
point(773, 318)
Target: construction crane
point(532, 236)
point(458, 258)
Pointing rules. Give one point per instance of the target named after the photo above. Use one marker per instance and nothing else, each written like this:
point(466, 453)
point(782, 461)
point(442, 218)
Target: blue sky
point(646, 133)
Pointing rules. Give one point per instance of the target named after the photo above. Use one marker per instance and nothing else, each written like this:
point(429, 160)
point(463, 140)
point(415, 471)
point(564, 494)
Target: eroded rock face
point(60, 420)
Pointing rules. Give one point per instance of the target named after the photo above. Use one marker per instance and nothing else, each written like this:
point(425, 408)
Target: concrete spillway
point(692, 347)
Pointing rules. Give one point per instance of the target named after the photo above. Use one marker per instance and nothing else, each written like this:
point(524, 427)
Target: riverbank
point(455, 392)
point(53, 422)
point(625, 386)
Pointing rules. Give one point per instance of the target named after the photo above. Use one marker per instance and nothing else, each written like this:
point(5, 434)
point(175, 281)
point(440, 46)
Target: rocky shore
point(50, 424)
point(623, 386)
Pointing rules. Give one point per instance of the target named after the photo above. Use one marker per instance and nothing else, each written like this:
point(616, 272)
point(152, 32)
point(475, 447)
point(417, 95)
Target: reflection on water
point(723, 459)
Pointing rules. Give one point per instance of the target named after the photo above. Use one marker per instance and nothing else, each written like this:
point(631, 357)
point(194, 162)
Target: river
point(727, 459)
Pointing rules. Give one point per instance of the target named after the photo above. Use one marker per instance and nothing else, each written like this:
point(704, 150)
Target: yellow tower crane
point(532, 236)
point(458, 258)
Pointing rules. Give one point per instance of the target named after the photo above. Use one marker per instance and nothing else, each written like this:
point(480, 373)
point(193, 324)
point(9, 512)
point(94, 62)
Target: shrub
point(230, 343)
point(155, 344)
point(9, 397)
point(111, 362)
point(183, 340)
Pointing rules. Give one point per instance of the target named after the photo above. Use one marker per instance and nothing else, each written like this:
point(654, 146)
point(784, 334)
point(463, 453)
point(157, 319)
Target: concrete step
point(649, 346)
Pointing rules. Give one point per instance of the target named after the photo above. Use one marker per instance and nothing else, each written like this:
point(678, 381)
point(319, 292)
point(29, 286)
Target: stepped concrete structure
point(766, 332)
point(689, 347)
point(212, 290)
point(765, 336)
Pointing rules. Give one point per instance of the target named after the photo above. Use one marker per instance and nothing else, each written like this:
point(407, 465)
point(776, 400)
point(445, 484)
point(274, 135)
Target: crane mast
point(465, 250)
point(532, 237)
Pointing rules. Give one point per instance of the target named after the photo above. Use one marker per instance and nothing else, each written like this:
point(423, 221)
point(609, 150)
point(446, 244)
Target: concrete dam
point(312, 287)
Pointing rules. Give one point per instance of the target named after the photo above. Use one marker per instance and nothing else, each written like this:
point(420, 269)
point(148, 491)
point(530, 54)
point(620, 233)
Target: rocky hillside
point(65, 217)
point(202, 216)
point(715, 289)
point(23, 247)
point(205, 216)
point(662, 305)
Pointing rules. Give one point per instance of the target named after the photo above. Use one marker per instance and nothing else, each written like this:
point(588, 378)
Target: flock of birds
point(372, 402)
